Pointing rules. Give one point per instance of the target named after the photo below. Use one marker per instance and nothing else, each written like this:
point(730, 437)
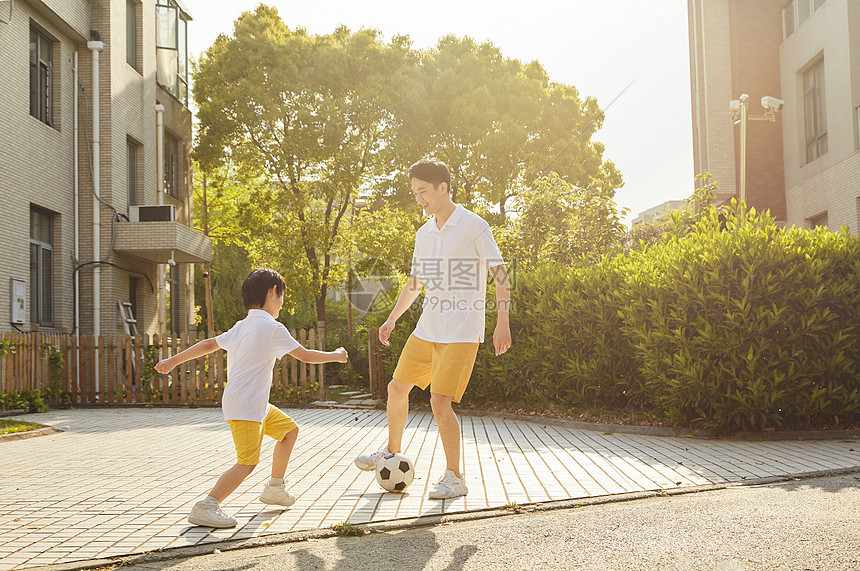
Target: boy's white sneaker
point(277, 495)
point(449, 486)
point(369, 461)
point(207, 514)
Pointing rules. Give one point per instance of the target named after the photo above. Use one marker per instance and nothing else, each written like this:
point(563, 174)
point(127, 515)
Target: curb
point(14, 412)
point(44, 431)
point(425, 521)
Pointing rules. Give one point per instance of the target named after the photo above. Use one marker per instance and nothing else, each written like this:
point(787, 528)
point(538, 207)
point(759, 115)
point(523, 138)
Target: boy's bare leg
point(398, 411)
point(230, 480)
point(281, 455)
point(449, 430)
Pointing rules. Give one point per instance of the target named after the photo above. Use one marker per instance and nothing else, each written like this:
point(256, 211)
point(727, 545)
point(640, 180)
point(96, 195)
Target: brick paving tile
point(117, 482)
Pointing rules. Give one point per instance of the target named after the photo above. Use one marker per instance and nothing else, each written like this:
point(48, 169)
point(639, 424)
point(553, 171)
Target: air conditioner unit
point(162, 213)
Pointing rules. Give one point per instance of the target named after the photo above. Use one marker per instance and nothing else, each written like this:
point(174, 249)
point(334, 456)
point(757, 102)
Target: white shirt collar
point(452, 220)
point(260, 313)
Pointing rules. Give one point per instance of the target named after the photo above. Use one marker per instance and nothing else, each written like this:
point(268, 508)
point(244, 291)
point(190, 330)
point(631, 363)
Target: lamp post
point(739, 112)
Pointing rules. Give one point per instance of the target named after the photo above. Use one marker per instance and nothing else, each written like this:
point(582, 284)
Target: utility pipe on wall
point(96, 47)
point(159, 185)
point(77, 300)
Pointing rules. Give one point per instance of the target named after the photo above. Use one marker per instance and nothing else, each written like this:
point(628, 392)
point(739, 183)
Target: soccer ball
point(394, 472)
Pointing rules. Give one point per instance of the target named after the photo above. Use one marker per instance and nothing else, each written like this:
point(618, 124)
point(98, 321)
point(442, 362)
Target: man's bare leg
point(398, 411)
point(449, 430)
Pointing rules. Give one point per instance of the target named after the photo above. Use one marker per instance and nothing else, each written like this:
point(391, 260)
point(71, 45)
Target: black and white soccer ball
point(394, 472)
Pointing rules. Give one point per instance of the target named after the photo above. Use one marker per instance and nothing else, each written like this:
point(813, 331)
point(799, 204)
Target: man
point(454, 250)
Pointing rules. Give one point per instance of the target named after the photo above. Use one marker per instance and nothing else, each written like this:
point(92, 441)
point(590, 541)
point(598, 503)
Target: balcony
point(157, 241)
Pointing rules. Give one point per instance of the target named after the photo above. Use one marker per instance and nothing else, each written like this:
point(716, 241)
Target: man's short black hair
point(432, 171)
point(257, 285)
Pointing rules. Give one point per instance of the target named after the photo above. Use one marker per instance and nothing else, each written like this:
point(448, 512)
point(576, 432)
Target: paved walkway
point(118, 482)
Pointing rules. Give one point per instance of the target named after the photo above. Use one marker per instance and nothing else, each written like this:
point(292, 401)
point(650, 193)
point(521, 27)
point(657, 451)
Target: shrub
point(748, 327)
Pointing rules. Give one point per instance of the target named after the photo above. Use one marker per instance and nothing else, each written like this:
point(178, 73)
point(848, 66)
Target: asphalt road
point(794, 525)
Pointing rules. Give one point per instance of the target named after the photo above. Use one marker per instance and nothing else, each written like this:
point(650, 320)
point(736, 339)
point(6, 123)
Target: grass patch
point(348, 530)
point(10, 426)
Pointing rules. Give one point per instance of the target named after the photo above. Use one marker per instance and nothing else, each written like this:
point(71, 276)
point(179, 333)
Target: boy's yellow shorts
point(445, 367)
point(248, 435)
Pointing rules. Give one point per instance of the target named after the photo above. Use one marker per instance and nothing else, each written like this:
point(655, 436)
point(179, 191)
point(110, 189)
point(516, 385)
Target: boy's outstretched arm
point(339, 355)
point(197, 350)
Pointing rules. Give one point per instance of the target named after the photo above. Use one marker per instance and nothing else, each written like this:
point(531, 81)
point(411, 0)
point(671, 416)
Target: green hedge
point(743, 325)
point(737, 325)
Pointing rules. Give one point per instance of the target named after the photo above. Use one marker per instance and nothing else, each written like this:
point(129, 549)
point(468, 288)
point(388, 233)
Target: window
point(41, 267)
point(171, 42)
point(41, 77)
point(171, 288)
point(133, 287)
point(171, 165)
point(818, 220)
point(815, 111)
point(133, 172)
point(797, 12)
point(132, 49)
point(857, 128)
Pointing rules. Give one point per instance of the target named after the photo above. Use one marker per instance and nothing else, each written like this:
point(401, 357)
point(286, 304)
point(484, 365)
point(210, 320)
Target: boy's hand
point(341, 356)
point(164, 366)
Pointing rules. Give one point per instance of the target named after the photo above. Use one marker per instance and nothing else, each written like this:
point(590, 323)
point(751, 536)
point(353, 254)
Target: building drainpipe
point(96, 47)
point(159, 185)
point(77, 291)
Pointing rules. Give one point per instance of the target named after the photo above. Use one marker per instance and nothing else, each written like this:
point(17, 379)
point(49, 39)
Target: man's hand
point(164, 366)
point(502, 338)
point(341, 355)
point(385, 331)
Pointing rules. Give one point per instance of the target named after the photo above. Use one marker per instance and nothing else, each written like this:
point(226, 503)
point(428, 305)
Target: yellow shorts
point(445, 367)
point(248, 435)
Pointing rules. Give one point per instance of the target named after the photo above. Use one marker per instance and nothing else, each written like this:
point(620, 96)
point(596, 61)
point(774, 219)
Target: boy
point(453, 252)
point(253, 344)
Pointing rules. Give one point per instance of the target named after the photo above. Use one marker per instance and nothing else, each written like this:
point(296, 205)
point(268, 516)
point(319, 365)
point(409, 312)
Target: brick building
point(83, 155)
point(805, 166)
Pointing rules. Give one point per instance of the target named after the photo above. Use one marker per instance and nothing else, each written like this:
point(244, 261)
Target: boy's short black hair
point(433, 171)
point(257, 285)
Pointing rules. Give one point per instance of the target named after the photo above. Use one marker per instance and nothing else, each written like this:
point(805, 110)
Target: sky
point(597, 46)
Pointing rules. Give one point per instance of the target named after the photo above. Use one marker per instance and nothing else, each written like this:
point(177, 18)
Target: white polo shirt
point(453, 262)
point(252, 346)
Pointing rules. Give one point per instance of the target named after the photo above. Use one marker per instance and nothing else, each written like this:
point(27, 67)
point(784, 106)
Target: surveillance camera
point(772, 103)
point(171, 262)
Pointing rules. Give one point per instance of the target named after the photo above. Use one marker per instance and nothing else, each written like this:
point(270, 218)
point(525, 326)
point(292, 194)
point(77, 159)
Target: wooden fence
point(111, 370)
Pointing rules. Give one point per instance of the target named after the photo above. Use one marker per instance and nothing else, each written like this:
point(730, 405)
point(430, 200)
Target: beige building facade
point(96, 133)
point(805, 166)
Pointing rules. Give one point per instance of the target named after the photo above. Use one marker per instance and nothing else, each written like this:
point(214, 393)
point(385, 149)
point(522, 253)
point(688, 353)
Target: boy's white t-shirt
point(252, 344)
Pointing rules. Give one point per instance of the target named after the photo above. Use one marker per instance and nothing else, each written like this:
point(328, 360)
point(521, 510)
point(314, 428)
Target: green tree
point(308, 115)
point(499, 123)
point(560, 224)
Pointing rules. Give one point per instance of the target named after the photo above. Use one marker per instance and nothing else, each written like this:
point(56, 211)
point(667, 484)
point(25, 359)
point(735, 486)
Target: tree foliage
point(558, 223)
point(307, 115)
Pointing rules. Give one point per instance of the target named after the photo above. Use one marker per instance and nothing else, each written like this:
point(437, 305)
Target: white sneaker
point(369, 461)
point(210, 515)
point(449, 486)
point(277, 495)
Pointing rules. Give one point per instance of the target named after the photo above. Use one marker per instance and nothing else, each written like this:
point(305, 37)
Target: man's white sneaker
point(449, 486)
point(277, 495)
point(369, 461)
point(210, 515)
